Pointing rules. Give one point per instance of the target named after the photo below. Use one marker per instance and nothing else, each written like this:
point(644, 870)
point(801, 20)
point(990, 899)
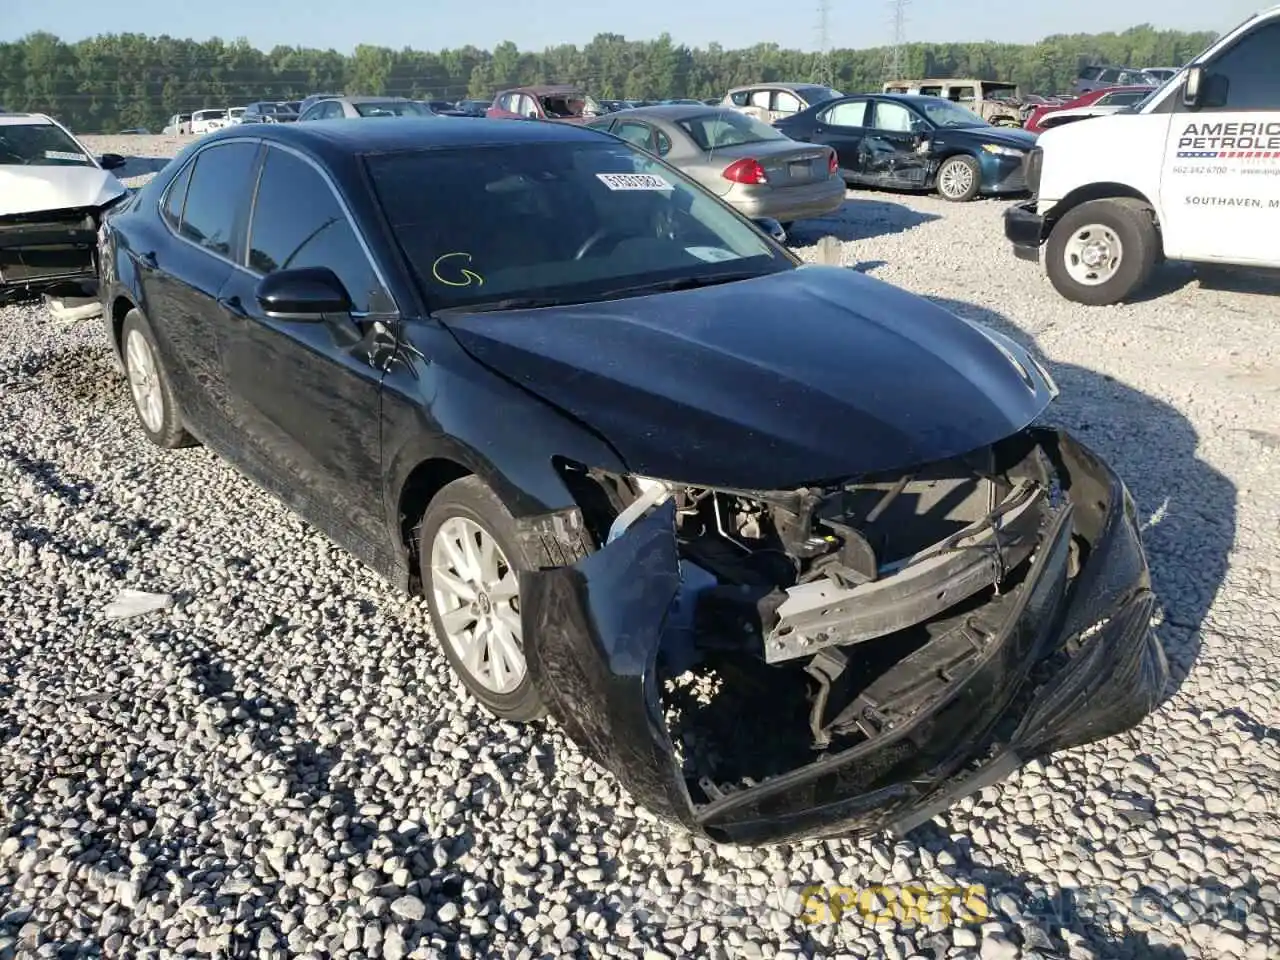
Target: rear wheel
point(1103, 251)
point(149, 385)
point(959, 179)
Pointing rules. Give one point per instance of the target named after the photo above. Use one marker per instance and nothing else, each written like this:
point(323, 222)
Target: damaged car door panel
point(776, 543)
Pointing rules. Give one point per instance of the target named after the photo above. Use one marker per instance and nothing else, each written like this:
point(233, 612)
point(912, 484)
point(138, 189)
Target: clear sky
point(435, 24)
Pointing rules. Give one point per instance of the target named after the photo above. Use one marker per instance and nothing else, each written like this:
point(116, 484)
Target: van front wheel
point(1103, 251)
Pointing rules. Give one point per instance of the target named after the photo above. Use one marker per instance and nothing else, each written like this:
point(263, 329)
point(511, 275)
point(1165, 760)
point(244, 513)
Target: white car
point(52, 195)
point(235, 115)
point(207, 121)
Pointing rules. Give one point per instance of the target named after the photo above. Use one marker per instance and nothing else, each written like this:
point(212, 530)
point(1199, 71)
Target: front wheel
point(959, 179)
point(1103, 251)
point(471, 560)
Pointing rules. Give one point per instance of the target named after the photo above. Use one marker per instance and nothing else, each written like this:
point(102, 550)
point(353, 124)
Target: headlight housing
point(998, 151)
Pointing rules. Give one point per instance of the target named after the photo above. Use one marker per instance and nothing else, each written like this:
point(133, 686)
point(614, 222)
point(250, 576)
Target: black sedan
point(617, 435)
point(916, 143)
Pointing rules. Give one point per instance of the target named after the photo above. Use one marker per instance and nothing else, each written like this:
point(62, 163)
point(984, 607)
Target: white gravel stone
point(280, 763)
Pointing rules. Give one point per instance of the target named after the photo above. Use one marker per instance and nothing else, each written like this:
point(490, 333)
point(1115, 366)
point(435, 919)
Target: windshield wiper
point(656, 286)
point(513, 303)
point(683, 283)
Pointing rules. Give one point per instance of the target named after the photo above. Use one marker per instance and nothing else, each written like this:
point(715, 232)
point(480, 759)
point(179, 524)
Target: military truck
point(996, 101)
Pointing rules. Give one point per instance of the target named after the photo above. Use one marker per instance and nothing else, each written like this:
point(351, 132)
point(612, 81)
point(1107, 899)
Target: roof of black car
point(350, 136)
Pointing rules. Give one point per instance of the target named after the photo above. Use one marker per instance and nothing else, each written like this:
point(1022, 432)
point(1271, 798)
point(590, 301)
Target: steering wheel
point(594, 240)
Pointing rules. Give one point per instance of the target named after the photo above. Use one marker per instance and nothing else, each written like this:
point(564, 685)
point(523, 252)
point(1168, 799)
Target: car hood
point(32, 189)
point(804, 375)
point(1014, 137)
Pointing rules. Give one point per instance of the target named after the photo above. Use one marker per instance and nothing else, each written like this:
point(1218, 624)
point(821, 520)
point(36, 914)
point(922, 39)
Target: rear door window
point(176, 196)
point(784, 101)
point(216, 197)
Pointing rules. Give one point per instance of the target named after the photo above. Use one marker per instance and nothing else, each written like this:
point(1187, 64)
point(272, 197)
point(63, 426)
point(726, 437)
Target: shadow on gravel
point(860, 219)
point(1188, 508)
point(1189, 514)
point(1174, 276)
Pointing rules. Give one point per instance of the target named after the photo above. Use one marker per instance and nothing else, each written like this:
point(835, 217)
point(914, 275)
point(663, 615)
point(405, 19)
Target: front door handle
point(234, 307)
point(149, 258)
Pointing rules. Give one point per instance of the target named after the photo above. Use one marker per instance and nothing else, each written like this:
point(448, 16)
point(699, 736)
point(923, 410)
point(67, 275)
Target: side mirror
point(304, 294)
point(532, 115)
point(772, 227)
point(1193, 88)
point(112, 161)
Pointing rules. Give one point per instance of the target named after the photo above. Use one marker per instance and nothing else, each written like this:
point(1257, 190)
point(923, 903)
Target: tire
point(966, 175)
point(150, 387)
point(471, 501)
point(1119, 230)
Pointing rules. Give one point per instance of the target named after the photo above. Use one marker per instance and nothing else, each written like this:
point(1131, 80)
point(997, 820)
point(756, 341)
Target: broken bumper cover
point(39, 251)
point(1024, 227)
point(1066, 667)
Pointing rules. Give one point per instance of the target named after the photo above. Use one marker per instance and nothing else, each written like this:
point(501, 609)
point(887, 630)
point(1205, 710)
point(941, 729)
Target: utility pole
point(895, 55)
point(823, 72)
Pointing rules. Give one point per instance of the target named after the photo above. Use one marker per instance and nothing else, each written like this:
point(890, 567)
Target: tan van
point(996, 101)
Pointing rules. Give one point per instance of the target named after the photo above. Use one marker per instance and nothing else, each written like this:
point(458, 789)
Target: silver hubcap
point(956, 179)
point(1092, 255)
point(144, 381)
point(478, 598)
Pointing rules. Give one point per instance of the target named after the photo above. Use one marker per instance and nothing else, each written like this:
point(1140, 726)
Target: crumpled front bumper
point(39, 251)
point(1070, 665)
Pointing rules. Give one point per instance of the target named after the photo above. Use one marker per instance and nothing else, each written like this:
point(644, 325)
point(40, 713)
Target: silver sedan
point(751, 166)
point(336, 108)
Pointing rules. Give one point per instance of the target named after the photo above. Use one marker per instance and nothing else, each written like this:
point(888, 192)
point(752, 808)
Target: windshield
point(568, 221)
point(392, 108)
point(727, 128)
point(39, 144)
point(947, 114)
point(814, 94)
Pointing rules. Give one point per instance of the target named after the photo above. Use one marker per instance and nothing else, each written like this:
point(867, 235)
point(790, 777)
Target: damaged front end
point(49, 250)
point(761, 666)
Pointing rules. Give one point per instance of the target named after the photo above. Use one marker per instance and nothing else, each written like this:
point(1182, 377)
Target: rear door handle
point(234, 307)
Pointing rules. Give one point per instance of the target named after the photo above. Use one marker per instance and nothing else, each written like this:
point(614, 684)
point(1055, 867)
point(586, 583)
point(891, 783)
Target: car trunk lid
point(786, 164)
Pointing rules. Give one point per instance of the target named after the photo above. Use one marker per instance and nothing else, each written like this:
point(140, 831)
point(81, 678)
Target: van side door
point(1220, 179)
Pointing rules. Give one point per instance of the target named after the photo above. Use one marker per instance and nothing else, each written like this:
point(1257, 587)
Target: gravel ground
point(279, 763)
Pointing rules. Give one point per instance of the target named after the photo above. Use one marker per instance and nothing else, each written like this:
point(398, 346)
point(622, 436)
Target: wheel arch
point(120, 308)
point(1097, 191)
point(422, 484)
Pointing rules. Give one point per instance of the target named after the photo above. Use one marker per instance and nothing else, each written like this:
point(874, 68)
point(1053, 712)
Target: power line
point(894, 56)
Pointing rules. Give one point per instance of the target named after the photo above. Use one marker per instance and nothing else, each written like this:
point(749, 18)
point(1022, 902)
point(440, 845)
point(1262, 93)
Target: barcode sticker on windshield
point(634, 181)
point(62, 155)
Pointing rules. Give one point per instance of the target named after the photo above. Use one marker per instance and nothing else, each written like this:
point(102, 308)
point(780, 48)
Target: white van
point(1191, 173)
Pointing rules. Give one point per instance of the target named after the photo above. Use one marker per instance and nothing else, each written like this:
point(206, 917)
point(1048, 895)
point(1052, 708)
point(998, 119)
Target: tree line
point(122, 81)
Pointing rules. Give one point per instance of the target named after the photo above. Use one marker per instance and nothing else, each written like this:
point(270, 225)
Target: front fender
point(600, 626)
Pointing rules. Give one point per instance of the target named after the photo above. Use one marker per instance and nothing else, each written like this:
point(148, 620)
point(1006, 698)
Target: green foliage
point(120, 81)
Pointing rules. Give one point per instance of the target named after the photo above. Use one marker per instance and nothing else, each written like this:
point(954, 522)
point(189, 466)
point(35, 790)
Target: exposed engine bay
point(843, 606)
